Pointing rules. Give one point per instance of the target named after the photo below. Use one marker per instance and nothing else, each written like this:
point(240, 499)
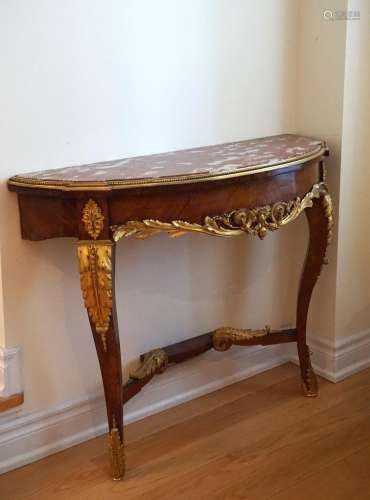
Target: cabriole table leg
point(96, 264)
point(320, 222)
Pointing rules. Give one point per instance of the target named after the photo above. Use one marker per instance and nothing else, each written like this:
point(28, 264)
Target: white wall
point(90, 80)
point(353, 312)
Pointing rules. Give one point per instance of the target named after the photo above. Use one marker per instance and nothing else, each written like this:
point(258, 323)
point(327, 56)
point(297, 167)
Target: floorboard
point(258, 439)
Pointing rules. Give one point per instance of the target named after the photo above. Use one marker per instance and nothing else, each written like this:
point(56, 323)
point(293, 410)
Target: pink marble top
point(217, 160)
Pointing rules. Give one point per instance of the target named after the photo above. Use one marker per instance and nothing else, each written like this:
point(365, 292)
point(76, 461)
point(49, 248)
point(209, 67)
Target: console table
point(247, 187)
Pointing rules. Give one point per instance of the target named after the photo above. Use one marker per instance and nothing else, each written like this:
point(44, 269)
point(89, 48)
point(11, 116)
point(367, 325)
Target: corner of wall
point(319, 113)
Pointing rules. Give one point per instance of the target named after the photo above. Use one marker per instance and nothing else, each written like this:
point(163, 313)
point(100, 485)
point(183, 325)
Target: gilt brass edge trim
point(171, 180)
point(96, 242)
point(254, 221)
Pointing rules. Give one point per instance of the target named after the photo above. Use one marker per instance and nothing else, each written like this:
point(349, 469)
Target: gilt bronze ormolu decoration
point(308, 377)
point(223, 338)
point(93, 219)
point(95, 262)
point(117, 452)
point(255, 221)
point(154, 362)
point(329, 213)
point(309, 383)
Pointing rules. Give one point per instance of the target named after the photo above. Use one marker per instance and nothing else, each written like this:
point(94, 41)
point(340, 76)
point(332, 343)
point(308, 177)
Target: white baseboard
point(10, 372)
point(337, 360)
point(26, 437)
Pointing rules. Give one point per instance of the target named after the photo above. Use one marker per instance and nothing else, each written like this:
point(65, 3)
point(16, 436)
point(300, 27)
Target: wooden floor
point(258, 439)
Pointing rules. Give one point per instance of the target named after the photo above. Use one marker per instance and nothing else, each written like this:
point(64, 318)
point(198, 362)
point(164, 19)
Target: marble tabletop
point(208, 161)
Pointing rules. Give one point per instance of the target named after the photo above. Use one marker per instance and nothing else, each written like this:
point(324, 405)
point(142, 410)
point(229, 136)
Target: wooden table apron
point(251, 204)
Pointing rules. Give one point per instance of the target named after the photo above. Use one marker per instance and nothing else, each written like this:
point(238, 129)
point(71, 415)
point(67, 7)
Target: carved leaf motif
point(95, 259)
point(223, 338)
point(154, 362)
point(329, 213)
point(255, 221)
point(93, 219)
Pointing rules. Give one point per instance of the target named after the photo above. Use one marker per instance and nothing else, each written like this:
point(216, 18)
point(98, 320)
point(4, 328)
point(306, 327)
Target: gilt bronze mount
point(224, 337)
point(117, 452)
point(254, 221)
point(152, 362)
point(95, 262)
